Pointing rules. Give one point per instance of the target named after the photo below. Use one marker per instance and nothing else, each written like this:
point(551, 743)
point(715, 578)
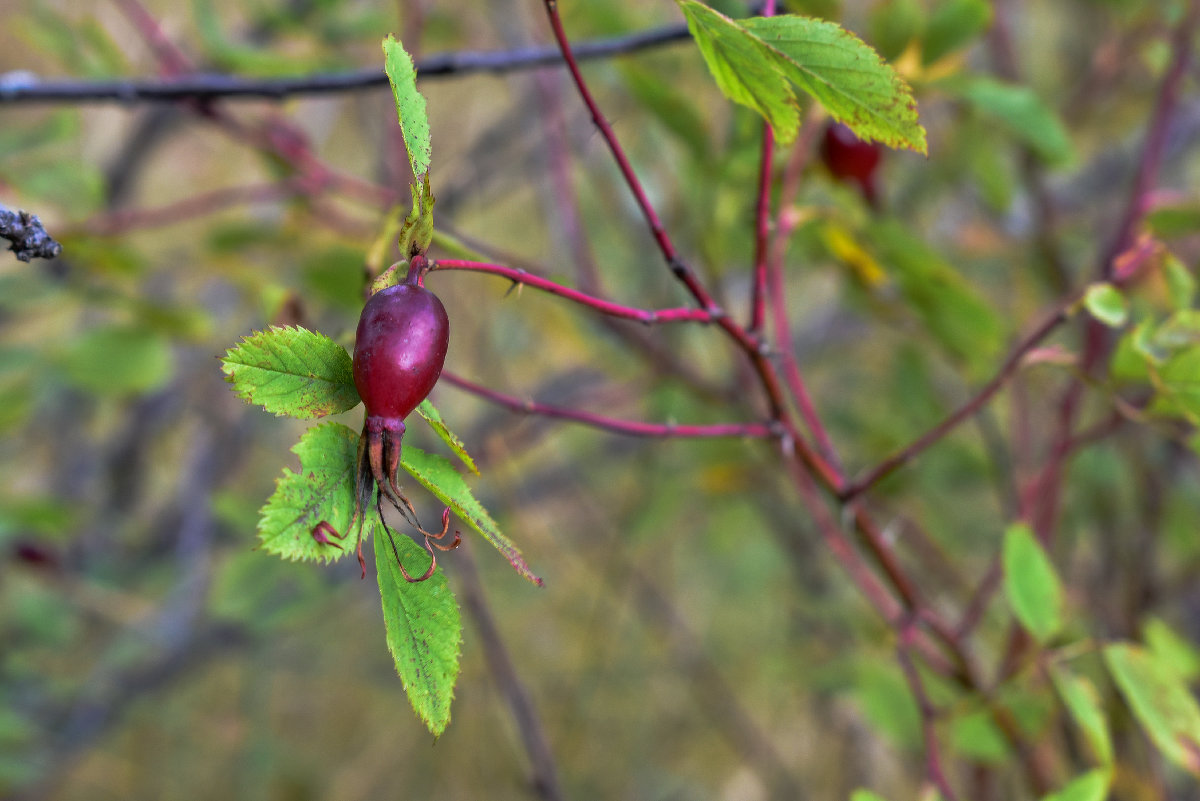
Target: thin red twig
point(657, 230)
point(762, 216)
point(928, 713)
point(963, 412)
point(1098, 341)
point(616, 425)
point(521, 277)
point(784, 226)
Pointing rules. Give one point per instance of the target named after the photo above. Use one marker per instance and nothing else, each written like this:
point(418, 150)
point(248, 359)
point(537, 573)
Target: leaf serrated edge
point(902, 90)
point(395, 591)
point(266, 341)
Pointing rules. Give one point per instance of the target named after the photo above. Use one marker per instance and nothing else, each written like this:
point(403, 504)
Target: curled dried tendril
point(378, 461)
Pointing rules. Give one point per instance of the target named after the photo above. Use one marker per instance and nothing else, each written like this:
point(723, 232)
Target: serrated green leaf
point(1106, 303)
point(1022, 114)
point(845, 76)
point(322, 490)
point(438, 475)
point(953, 25)
point(424, 628)
point(745, 69)
point(1031, 583)
point(1081, 699)
point(1091, 786)
point(1160, 701)
point(434, 418)
point(410, 106)
point(292, 371)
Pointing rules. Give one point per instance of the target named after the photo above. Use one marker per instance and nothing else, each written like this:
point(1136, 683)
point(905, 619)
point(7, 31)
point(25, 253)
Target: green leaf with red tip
point(292, 371)
point(438, 475)
point(410, 105)
point(323, 490)
point(434, 418)
point(424, 628)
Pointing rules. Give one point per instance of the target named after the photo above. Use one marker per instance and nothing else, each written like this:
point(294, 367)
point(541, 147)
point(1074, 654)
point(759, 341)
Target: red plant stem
point(520, 277)
point(752, 344)
point(929, 714)
point(973, 405)
point(1098, 342)
point(613, 424)
point(776, 286)
point(762, 231)
point(1146, 177)
point(762, 223)
point(663, 240)
point(172, 61)
point(878, 596)
point(762, 216)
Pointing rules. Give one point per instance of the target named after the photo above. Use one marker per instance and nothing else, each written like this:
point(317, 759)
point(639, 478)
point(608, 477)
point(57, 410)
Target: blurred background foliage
point(694, 639)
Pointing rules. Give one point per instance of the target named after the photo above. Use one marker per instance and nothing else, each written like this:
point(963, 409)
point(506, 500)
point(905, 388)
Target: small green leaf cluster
point(1153, 680)
point(316, 514)
point(304, 374)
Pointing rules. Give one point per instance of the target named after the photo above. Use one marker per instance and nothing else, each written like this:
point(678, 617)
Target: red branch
point(618, 426)
point(762, 216)
point(964, 412)
point(521, 277)
point(665, 246)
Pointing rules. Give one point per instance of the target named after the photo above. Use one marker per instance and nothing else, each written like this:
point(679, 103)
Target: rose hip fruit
point(399, 351)
point(850, 159)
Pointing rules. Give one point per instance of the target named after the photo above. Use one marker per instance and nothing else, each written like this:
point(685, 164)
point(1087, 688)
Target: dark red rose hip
point(399, 349)
point(851, 159)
